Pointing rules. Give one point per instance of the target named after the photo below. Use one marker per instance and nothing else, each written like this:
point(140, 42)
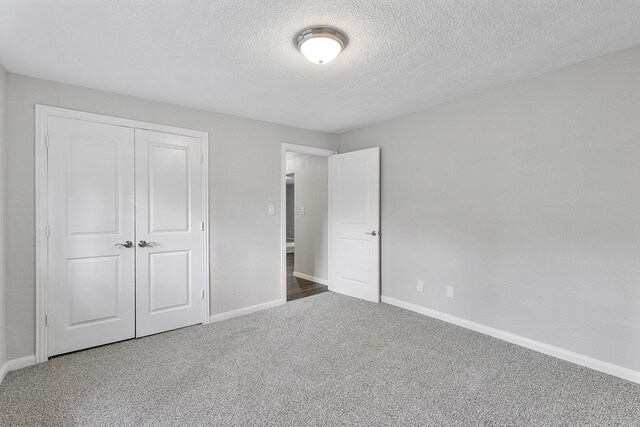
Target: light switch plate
point(272, 210)
point(450, 292)
point(302, 210)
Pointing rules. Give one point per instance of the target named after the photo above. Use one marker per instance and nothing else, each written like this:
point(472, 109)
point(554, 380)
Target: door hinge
point(201, 158)
point(46, 320)
point(47, 230)
point(46, 141)
point(202, 226)
point(203, 294)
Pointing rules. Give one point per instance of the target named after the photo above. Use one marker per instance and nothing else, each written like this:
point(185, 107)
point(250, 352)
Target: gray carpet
point(326, 360)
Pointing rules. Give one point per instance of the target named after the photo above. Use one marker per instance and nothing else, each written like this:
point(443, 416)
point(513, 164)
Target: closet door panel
point(169, 236)
point(91, 281)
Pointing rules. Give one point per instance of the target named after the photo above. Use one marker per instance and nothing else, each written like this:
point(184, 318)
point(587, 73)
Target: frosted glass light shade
point(320, 50)
point(320, 45)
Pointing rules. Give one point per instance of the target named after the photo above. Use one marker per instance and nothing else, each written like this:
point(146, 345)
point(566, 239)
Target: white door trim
point(42, 114)
point(302, 149)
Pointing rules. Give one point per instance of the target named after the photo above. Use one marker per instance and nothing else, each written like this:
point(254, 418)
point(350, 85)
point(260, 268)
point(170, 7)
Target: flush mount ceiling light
point(320, 45)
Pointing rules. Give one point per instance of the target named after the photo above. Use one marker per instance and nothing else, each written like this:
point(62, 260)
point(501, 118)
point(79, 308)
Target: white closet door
point(169, 236)
point(355, 224)
point(91, 281)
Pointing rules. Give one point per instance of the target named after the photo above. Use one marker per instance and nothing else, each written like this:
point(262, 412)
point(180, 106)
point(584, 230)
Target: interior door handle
point(142, 243)
point(372, 233)
point(126, 244)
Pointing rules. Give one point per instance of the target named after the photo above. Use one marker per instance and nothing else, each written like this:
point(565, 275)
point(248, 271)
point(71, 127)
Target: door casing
point(42, 115)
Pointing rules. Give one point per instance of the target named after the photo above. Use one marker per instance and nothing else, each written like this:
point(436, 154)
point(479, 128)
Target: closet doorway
point(122, 206)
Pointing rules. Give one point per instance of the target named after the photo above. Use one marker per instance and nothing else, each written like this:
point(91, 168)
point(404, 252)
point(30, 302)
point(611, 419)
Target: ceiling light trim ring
point(321, 31)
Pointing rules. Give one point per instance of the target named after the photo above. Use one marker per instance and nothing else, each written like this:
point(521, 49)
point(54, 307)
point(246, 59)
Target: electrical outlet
point(420, 286)
point(302, 210)
point(272, 210)
point(450, 292)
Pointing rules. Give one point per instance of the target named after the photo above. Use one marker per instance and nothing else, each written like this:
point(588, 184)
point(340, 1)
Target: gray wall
point(3, 181)
point(244, 162)
point(290, 211)
point(311, 229)
point(526, 198)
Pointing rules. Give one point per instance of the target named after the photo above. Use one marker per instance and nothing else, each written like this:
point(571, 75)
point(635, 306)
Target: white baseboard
point(313, 279)
point(560, 353)
point(246, 310)
point(12, 365)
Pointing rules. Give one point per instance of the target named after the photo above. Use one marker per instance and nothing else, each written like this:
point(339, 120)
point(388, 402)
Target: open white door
point(355, 224)
point(169, 232)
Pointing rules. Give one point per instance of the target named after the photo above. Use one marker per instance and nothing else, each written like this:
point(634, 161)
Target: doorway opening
point(305, 215)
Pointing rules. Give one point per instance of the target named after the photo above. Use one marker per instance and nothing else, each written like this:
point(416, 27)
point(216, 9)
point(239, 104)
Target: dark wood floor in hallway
point(299, 288)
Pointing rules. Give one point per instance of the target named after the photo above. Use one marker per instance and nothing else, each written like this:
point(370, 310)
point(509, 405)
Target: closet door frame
point(42, 115)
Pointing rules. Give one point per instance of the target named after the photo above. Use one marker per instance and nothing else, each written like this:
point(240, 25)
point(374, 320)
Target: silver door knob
point(142, 243)
point(372, 233)
point(126, 244)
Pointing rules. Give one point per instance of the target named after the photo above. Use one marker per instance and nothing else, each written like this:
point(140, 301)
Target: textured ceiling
point(237, 57)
